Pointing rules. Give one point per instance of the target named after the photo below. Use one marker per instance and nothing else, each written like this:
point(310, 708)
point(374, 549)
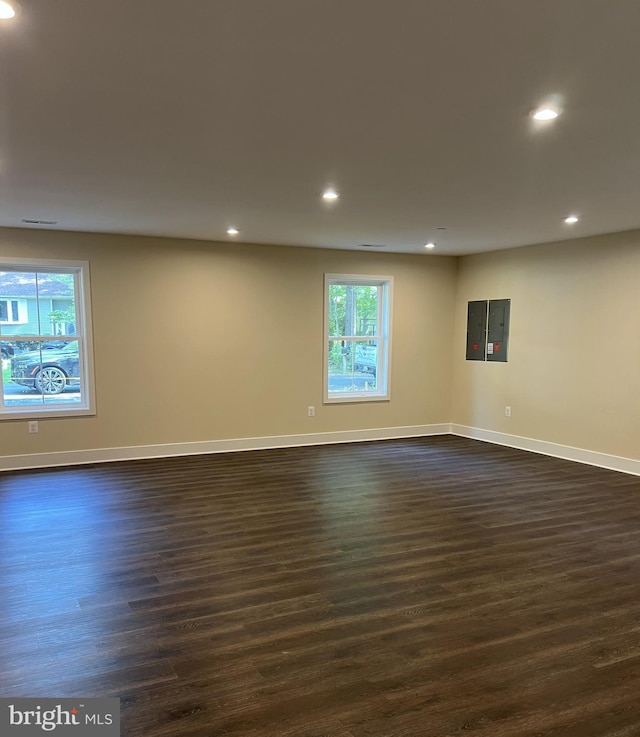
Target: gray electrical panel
point(476, 330)
point(498, 330)
point(488, 330)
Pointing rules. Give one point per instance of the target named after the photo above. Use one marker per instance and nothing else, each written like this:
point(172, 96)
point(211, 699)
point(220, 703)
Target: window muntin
point(357, 337)
point(46, 355)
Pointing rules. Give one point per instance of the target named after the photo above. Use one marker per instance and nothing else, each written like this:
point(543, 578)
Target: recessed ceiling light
point(6, 11)
point(429, 245)
point(571, 219)
point(330, 195)
point(232, 231)
point(545, 113)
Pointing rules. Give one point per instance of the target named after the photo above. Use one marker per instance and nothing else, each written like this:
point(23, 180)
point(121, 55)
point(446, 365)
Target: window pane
point(48, 375)
point(352, 367)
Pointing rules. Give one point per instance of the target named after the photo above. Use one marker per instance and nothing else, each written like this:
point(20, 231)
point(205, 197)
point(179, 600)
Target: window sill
point(27, 413)
point(356, 398)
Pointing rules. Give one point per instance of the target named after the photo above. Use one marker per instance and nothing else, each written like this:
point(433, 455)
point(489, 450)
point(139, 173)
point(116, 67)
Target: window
point(45, 337)
point(13, 311)
point(357, 337)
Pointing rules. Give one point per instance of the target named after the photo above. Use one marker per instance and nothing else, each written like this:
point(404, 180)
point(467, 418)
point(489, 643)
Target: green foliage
point(68, 280)
point(63, 316)
point(68, 315)
point(353, 311)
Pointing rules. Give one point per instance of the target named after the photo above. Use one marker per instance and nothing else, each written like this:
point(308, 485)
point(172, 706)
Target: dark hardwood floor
point(411, 588)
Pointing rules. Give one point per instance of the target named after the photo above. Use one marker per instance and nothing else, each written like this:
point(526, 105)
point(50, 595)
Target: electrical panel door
point(476, 330)
point(498, 330)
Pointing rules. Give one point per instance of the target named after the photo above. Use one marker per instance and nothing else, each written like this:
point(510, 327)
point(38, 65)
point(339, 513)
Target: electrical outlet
point(33, 426)
point(311, 411)
point(507, 411)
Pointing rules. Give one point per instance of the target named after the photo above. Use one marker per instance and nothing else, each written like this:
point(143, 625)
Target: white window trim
point(383, 335)
point(84, 329)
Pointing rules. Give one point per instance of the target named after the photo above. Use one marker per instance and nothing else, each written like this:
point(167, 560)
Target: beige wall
point(573, 375)
point(199, 341)
point(206, 341)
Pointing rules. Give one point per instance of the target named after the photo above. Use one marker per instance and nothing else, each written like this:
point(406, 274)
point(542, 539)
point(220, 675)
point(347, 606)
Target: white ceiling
point(180, 118)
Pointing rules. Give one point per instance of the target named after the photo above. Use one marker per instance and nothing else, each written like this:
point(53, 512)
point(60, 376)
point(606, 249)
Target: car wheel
point(50, 380)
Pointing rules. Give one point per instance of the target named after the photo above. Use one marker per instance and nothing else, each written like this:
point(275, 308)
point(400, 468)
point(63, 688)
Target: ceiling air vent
point(372, 245)
point(39, 222)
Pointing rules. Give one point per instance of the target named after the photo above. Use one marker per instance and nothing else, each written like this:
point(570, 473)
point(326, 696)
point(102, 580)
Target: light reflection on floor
point(62, 540)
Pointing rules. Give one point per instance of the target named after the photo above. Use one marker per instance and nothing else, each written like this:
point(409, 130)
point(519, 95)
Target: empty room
point(320, 375)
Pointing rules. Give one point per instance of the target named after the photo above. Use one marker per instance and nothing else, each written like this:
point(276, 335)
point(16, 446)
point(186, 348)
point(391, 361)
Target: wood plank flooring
point(413, 588)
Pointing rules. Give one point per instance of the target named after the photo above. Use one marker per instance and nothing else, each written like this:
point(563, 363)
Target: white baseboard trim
point(139, 452)
point(107, 455)
point(590, 457)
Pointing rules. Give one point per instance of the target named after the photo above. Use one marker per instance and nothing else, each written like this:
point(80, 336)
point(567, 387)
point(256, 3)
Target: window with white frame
point(45, 337)
point(13, 311)
point(357, 337)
